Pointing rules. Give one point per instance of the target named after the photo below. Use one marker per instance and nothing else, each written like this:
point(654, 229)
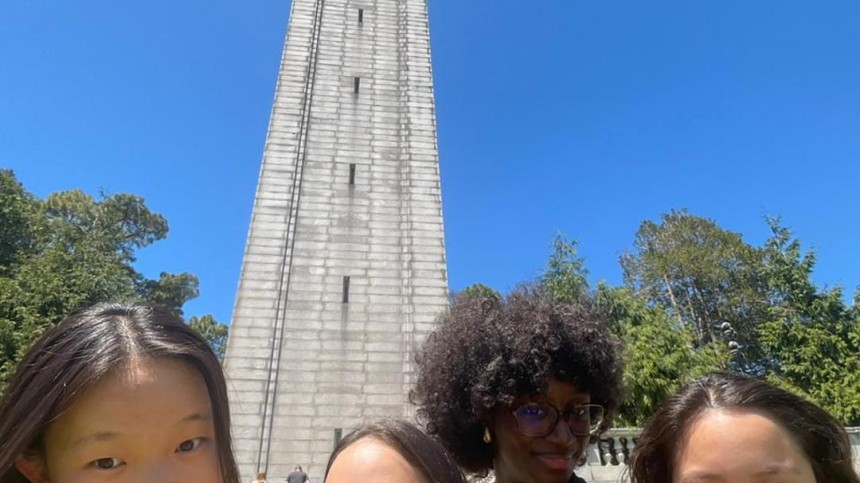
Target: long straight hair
point(421, 451)
point(83, 348)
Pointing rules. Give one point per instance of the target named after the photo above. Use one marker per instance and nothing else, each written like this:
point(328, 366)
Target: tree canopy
point(698, 298)
point(71, 250)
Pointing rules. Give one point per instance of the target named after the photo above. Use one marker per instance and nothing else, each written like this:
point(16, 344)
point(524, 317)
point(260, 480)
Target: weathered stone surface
point(301, 363)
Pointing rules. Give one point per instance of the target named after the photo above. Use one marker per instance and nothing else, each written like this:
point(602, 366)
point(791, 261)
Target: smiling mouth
point(556, 461)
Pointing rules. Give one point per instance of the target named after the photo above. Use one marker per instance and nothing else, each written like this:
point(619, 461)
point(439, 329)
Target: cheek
point(202, 466)
point(511, 447)
point(66, 475)
point(206, 463)
point(59, 467)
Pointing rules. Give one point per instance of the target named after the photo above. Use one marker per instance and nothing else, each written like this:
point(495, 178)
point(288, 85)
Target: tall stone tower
point(344, 269)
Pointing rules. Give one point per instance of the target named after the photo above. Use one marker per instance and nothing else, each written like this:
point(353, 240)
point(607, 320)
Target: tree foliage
point(478, 290)
point(702, 274)
point(71, 250)
point(565, 277)
point(659, 355)
point(212, 331)
point(660, 352)
point(687, 277)
point(811, 340)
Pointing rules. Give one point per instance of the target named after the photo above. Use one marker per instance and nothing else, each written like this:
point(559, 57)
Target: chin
point(554, 472)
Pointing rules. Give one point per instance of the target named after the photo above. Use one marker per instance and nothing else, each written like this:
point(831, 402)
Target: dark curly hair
point(487, 352)
point(822, 439)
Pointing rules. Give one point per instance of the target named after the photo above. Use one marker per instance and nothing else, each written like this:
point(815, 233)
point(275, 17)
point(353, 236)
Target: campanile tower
point(344, 270)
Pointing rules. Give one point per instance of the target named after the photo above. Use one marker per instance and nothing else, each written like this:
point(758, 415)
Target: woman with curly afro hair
point(519, 386)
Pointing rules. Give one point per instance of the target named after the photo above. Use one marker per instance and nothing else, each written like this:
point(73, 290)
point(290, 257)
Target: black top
point(297, 477)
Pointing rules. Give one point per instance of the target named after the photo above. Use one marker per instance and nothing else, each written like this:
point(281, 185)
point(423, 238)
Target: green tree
point(703, 276)
point(480, 291)
point(169, 290)
point(71, 250)
point(214, 332)
point(17, 208)
point(811, 339)
point(565, 277)
point(659, 355)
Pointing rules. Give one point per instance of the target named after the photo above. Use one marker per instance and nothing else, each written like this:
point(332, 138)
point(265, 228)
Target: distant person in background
point(261, 478)
point(297, 476)
point(730, 428)
point(391, 452)
point(519, 386)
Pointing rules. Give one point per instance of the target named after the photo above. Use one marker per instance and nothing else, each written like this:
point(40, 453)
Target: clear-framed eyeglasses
point(538, 420)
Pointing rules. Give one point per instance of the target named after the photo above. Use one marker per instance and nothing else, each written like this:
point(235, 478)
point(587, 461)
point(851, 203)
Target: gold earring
point(487, 437)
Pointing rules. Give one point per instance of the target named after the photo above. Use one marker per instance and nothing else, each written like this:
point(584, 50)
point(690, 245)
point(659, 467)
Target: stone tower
point(344, 270)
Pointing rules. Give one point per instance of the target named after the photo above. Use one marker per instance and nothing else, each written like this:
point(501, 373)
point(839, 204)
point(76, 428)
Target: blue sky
point(561, 116)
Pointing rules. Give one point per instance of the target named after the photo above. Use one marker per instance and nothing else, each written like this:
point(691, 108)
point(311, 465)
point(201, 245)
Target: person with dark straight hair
point(391, 452)
point(731, 428)
point(519, 386)
point(119, 393)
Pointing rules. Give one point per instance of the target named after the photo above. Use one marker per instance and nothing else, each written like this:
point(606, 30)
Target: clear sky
point(554, 116)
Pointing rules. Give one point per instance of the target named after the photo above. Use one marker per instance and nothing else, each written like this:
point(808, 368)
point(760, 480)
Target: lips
point(556, 461)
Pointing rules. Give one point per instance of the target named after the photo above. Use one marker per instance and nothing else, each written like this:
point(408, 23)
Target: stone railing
point(608, 457)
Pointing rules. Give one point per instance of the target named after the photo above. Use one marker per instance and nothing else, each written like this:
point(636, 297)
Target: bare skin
point(370, 459)
point(549, 459)
point(148, 421)
point(734, 446)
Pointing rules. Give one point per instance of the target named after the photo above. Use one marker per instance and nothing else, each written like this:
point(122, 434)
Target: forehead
point(727, 445)
point(372, 456)
point(143, 395)
point(559, 393)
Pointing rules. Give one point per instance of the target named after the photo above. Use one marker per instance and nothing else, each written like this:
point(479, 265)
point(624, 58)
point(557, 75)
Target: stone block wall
point(344, 270)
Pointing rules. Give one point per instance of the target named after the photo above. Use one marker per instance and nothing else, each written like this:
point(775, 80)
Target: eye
point(189, 445)
point(580, 412)
point(107, 463)
point(533, 411)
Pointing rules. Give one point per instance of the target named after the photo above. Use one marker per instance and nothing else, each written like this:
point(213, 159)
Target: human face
point(739, 446)
point(150, 421)
point(547, 459)
point(371, 458)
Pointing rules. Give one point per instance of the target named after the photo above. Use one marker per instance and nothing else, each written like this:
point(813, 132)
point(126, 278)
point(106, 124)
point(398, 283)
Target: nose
point(162, 472)
point(561, 433)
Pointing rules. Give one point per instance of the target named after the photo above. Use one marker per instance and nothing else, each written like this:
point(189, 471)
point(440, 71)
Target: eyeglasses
point(539, 420)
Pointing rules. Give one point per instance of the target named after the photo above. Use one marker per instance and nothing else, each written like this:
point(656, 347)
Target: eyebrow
point(777, 469)
point(97, 437)
point(195, 417)
point(102, 436)
point(770, 470)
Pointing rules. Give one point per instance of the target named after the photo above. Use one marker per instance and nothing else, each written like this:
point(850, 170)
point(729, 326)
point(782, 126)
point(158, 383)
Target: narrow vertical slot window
point(356, 85)
point(360, 17)
point(346, 290)
point(352, 174)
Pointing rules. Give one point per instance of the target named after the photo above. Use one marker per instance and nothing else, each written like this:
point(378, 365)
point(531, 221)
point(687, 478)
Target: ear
point(32, 467)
